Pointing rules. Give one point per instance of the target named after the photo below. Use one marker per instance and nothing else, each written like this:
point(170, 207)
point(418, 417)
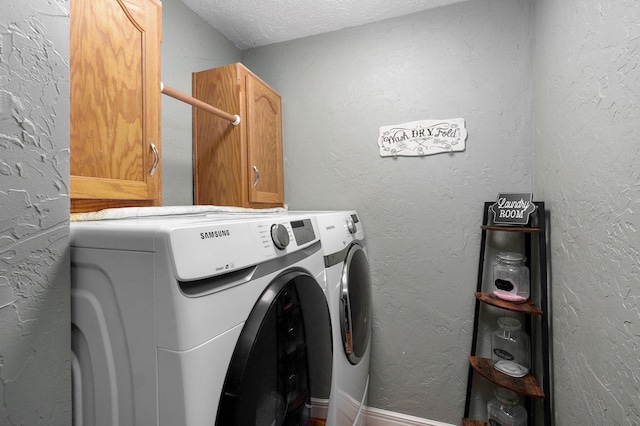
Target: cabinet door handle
point(156, 156)
point(255, 182)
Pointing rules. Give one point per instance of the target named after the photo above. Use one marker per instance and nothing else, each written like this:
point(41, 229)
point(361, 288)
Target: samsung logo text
point(215, 234)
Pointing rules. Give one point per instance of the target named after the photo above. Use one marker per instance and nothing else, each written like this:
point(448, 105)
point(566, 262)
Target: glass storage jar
point(511, 277)
point(503, 410)
point(510, 348)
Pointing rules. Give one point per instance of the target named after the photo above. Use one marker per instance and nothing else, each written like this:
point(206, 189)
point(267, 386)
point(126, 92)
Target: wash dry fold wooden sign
point(425, 137)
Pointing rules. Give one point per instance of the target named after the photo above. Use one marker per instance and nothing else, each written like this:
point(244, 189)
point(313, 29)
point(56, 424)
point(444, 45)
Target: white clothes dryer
point(349, 298)
point(199, 320)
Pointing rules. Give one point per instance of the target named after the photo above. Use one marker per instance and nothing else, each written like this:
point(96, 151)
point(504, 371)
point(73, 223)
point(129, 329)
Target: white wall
point(35, 374)
point(422, 215)
point(587, 105)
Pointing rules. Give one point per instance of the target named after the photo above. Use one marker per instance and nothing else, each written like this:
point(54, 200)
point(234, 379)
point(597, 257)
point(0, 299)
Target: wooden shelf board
point(527, 385)
point(527, 307)
point(469, 422)
point(511, 229)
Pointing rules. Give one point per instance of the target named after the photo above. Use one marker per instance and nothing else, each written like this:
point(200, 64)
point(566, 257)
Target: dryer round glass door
point(282, 362)
point(355, 304)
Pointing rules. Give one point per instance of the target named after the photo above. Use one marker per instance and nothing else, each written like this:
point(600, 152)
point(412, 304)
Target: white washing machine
point(349, 298)
point(200, 320)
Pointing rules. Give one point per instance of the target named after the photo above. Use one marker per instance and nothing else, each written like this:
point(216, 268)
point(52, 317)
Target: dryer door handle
point(355, 304)
point(345, 322)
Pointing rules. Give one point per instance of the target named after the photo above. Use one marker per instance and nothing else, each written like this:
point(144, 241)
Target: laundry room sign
point(425, 137)
point(513, 209)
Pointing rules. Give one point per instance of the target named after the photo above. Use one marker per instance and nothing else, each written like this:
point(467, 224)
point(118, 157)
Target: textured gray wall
point(35, 375)
point(189, 44)
point(422, 215)
point(587, 105)
point(471, 60)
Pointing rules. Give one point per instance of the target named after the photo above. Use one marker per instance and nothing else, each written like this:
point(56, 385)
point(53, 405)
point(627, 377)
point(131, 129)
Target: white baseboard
point(378, 417)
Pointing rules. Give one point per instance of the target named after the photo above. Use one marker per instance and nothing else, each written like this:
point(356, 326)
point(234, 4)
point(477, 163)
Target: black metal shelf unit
point(537, 318)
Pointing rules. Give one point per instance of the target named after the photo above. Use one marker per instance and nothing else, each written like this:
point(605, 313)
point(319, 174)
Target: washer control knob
point(279, 236)
point(351, 226)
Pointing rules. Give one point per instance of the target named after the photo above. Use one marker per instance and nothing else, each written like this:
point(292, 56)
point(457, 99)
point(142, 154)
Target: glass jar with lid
point(504, 410)
point(510, 348)
point(511, 277)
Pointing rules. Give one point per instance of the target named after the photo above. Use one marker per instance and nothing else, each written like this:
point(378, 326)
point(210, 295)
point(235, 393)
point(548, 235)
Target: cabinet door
point(115, 103)
point(264, 143)
point(219, 154)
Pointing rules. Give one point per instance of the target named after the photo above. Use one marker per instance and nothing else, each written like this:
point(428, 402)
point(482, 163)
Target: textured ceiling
point(253, 23)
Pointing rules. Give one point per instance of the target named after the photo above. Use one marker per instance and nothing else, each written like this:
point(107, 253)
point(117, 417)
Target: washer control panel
point(303, 231)
point(218, 247)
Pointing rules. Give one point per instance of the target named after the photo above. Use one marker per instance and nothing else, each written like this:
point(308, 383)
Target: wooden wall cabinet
point(115, 103)
point(237, 165)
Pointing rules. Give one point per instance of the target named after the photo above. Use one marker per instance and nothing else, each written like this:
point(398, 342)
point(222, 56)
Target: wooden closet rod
point(234, 119)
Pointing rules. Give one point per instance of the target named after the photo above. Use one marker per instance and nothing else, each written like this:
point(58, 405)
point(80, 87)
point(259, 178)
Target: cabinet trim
point(100, 188)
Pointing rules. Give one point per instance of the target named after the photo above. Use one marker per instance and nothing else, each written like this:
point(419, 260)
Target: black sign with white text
point(513, 209)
